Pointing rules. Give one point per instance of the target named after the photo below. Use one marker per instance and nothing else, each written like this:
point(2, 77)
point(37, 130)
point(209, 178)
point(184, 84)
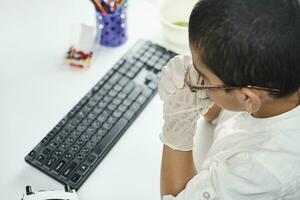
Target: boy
point(245, 58)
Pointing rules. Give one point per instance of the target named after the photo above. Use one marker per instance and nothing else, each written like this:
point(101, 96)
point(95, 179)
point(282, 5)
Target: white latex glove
point(181, 108)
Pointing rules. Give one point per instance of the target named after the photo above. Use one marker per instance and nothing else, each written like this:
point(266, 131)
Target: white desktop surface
point(37, 90)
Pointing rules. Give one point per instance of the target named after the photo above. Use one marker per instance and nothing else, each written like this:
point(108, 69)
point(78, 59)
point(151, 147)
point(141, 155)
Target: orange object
point(100, 6)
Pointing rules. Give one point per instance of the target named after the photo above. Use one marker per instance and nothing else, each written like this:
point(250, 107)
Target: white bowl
point(172, 11)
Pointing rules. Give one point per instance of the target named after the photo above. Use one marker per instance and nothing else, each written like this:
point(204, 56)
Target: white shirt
point(250, 159)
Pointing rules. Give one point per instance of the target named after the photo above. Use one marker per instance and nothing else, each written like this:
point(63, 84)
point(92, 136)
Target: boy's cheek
point(212, 94)
point(215, 97)
point(221, 99)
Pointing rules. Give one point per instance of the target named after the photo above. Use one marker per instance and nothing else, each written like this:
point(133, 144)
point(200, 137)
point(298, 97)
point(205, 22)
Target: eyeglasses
point(195, 88)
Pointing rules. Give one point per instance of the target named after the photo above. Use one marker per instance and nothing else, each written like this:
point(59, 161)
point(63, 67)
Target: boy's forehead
point(202, 68)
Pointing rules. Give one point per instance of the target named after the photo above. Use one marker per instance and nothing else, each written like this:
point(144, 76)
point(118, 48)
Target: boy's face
point(231, 100)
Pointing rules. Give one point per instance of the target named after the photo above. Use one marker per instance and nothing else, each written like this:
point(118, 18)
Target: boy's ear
point(252, 100)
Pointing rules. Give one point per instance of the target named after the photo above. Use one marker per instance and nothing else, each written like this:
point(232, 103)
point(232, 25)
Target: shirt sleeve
point(238, 177)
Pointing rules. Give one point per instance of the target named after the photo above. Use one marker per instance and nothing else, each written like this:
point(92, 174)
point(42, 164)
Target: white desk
point(37, 90)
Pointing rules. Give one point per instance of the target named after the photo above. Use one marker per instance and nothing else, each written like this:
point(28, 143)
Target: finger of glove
point(163, 94)
point(166, 81)
point(178, 66)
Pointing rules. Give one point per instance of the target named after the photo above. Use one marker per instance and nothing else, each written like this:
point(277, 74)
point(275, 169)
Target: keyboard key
point(118, 88)
point(122, 95)
point(80, 157)
point(129, 87)
point(135, 93)
point(141, 99)
point(135, 69)
point(111, 136)
point(102, 92)
point(130, 74)
point(112, 107)
point(76, 133)
point(64, 146)
point(59, 138)
point(50, 162)
point(112, 119)
point(53, 145)
point(124, 81)
point(147, 92)
point(69, 169)
point(58, 153)
point(70, 140)
point(75, 178)
point(40, 159)
point(134, 107)
point(115, 78)
point(139, 64)
point(47, 151)
point(152, 85)
point(96, 125)
point(74, 148)
point(102, 118)
point(59, 166)
point(128, 114)
point(107, 87)
point(97, 137)
point(91, 159)
point(107, 99)
point(97, 110)
point(124, 68)
point(157, 68)
point(107, 125)
point(32, 154)
point(113, 93)
point(102, 104)
point(117, 113)
point(83, 168)
point(45, 141)
point(117, 101)
point(106, 113)
point(79, 142)
point(127, 102)
point(102, 131)
point(85, 136)
point(144, 59)
point(85, 150)
point(92, 116)
point(122, 108)
point(81, 128)
point(68, 156)
point(90, 131)
point(158, 54)
point(90, 144)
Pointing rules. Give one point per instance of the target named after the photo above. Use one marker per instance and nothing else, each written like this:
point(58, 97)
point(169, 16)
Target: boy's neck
point(278, 106)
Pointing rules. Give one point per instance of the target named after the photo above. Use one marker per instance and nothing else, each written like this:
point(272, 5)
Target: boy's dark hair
point(249, 42)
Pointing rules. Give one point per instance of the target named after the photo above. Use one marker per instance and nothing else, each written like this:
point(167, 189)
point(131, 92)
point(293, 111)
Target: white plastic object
point(172, 11)
point(83, 37)
point(53, 194)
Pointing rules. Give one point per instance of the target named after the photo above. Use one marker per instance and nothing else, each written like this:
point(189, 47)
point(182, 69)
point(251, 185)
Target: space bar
point(110, 136)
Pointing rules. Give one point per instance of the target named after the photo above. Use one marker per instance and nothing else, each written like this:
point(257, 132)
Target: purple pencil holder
point(112, 28)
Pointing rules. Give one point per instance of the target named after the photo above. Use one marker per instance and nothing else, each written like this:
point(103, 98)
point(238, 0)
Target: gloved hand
point(181, 108)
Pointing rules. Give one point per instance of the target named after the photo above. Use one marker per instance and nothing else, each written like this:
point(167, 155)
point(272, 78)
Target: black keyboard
point(76, 145)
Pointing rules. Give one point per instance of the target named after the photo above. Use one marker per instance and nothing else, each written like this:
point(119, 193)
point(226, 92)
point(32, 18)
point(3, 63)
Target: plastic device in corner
point(67, 194)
